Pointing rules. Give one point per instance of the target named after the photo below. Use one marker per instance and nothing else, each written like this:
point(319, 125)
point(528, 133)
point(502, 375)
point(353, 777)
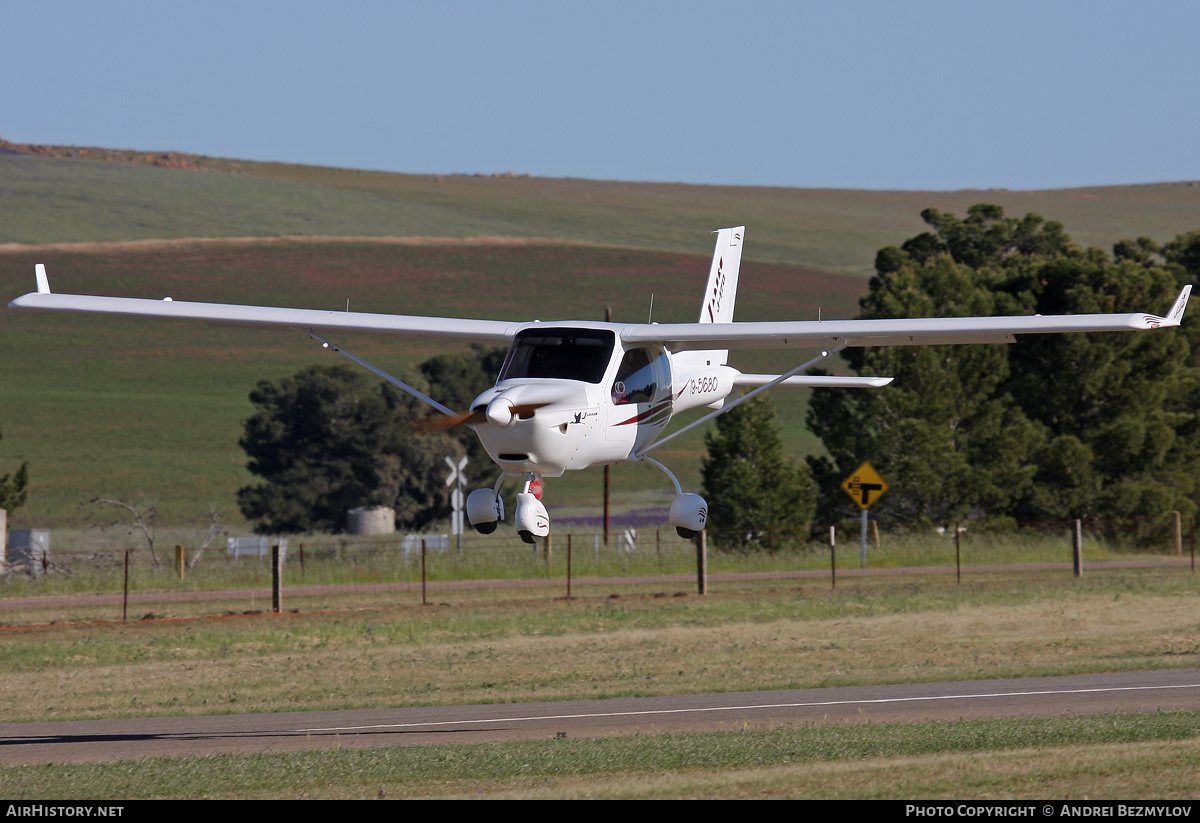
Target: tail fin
point(721, 292)
point(719, 295)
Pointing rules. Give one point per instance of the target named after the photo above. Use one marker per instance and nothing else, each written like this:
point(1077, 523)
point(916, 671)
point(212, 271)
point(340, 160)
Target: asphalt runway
point(105, 740)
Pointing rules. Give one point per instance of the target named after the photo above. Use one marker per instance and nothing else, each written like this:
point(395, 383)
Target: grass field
point(1152, 757)
point(384, 649)
point(758, 635)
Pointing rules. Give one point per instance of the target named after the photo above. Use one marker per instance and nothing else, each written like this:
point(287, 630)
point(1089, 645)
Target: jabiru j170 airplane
point(577, 394)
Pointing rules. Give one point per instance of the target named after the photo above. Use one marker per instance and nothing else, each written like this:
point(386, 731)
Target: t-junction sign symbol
point(865, 486)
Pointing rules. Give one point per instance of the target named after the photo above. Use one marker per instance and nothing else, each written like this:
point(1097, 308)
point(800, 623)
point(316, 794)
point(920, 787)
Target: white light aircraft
point(577, 394)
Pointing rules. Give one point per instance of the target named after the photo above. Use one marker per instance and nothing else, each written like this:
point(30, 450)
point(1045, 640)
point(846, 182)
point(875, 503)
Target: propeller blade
point(426, 425)
point(447, 422)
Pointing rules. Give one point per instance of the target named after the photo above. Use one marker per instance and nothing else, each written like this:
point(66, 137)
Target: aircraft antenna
point(650, 319)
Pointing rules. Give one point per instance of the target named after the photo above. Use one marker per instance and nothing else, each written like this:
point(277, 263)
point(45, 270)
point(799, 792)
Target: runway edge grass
point(1151, 756)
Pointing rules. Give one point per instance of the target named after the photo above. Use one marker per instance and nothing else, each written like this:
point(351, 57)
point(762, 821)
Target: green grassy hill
point(77, 197)
point(118, 407)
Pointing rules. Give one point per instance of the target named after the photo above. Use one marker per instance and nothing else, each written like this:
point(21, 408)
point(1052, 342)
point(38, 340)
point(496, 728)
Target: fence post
point(1177, 522)
point(568, 566)
point(702, 561)
point(179, 564)
point(125, 594)
point(958, 551)
point(276, 578)
point(1077, 547)
point(833, 555)
point(424, 602)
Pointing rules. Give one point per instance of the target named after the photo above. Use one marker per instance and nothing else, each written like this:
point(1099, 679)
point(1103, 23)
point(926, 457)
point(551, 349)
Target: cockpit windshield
point(566, 354)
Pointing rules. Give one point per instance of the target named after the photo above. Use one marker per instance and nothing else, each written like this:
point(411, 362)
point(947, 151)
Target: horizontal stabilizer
point(823, 381)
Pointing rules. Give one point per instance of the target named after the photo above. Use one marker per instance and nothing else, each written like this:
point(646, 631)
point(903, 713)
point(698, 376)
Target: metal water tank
point(371, 520)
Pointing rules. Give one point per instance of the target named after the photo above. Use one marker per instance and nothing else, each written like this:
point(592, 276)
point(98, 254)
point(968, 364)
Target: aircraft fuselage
point(569, 397)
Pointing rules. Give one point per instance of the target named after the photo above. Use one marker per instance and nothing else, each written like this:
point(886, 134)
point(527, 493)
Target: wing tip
point(43, 282)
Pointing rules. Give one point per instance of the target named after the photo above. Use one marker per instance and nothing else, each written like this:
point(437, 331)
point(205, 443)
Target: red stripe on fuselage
point(638, 418)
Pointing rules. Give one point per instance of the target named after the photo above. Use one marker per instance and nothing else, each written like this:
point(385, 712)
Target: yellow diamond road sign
point(865, 486)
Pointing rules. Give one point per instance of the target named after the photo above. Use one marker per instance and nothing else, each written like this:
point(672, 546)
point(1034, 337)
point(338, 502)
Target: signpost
point(456, 479)
point(865, 487)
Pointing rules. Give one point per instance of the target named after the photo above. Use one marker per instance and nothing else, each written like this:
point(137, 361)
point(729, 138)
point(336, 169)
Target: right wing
point(920, 331)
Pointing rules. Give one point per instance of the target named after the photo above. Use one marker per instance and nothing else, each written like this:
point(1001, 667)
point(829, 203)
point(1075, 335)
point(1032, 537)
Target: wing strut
point(397, 383)
point(740, 400)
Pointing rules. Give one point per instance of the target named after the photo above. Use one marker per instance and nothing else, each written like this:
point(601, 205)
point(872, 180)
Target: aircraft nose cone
point(500, 412)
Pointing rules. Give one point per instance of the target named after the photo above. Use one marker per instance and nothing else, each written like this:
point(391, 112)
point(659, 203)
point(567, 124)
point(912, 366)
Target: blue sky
point(871, 95)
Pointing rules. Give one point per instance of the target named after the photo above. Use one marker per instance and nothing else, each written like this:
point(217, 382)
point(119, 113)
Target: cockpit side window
point(558, 353)
point(642, 376)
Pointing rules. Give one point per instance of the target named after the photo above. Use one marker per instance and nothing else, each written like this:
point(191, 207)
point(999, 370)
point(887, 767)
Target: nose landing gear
point(533, 522)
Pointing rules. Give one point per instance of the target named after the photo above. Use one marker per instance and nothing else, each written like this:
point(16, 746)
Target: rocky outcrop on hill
point(165, 159)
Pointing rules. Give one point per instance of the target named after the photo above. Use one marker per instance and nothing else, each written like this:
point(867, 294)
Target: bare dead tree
point(142, 515)
point(214, 529)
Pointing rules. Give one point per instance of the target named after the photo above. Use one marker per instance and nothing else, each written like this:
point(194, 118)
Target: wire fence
point(80, 578)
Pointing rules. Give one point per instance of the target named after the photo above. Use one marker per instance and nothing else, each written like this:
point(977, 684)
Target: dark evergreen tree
point(330, 439)
point(14, 488)
point(753, 491)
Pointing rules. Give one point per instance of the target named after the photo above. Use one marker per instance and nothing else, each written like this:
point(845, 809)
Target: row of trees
point(1048, 428)
point(1052, 427)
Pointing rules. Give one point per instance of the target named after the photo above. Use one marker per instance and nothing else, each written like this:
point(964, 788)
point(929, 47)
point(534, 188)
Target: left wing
point(907, 332)
point(480, 331)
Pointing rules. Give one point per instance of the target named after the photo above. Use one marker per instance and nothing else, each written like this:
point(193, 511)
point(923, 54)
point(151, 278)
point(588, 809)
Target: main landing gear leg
point(689, 512)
